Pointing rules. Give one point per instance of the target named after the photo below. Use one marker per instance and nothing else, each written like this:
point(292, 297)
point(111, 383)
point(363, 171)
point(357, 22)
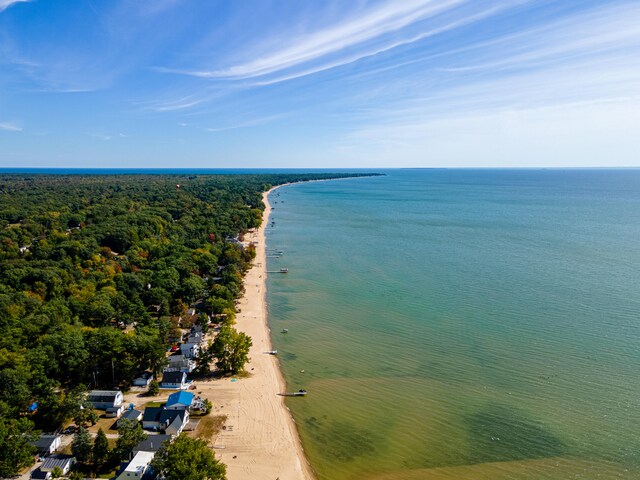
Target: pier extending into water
point(282, 270)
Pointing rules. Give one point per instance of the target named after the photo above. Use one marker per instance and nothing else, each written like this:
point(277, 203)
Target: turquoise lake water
point(462, 323)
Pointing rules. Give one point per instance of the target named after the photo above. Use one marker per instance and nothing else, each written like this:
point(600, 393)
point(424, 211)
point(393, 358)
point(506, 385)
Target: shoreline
point(259, 439)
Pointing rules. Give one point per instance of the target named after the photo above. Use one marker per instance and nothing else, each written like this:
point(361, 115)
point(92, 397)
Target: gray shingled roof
point(152, 443)
point(56, 461)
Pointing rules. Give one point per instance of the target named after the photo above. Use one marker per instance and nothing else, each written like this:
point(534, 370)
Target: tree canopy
point(94, 272)
point(230, 348)
point(188, 459)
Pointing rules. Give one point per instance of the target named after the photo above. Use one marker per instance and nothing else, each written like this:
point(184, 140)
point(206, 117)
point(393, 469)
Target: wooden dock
point(299, 393)
point(282, 270)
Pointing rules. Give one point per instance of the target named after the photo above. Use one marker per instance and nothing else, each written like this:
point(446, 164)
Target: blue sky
point(319, 83)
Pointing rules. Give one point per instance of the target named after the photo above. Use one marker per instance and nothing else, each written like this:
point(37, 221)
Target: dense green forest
point(93, 269)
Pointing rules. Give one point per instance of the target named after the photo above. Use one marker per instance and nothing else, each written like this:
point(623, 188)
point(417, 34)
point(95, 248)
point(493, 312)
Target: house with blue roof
point(180, 401)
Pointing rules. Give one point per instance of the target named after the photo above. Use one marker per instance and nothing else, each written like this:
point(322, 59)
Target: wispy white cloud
point(589, 58)
point(593, 33)
point(367, 34)
point(390, 17)
point(4, 4)
point(387, 47)
point(10, 127)
point(249, 123)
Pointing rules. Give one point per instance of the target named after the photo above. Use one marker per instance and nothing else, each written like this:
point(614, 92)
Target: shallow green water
point(449, 320)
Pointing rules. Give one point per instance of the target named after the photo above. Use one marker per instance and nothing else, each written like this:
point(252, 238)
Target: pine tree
point(100, 448)
point(81, 446)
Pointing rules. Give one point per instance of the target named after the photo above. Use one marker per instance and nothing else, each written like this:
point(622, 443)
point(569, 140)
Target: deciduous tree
point(231, 349)
point(188, 459)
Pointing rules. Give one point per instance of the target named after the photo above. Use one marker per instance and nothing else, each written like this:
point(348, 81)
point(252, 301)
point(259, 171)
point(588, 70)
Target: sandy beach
point(259, 439)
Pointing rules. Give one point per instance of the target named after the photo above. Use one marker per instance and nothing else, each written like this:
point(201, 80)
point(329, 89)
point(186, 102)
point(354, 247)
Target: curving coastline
point(260, 439)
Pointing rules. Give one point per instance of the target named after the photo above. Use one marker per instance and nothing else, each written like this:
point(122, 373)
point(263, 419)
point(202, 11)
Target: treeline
point(93, 268)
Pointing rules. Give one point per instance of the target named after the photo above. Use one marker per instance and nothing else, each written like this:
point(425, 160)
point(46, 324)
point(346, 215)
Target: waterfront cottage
point(175, 380)
point(180, 401)
point(104, 399)
point(180, 363)
point(171, 422)
point(175, 422)
point(190, 350)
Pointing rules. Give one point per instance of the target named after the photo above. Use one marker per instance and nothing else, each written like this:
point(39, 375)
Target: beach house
point(180, 401)
point(171, 422)
point(180, 363)
point(190, 350)
point(174, 380)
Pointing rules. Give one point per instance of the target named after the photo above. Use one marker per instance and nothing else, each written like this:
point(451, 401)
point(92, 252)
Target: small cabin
point(143, 380)
point(105, 399)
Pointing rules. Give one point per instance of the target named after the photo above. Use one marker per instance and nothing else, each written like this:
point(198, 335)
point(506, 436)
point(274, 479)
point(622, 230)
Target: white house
point(180, 363)
point(171, 422)
point(104, 399)
point(65, 462)
point(174, 380)
point(137, 467)
point(190, 350)
point(143, 380)
point(195, 337)
point(114, 412)
point(47, 444)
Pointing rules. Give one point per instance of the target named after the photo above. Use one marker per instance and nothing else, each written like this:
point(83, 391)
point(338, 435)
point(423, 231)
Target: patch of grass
point(151, 404)
point(209, 427)
point(109, 474)
point(107, 424)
